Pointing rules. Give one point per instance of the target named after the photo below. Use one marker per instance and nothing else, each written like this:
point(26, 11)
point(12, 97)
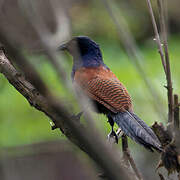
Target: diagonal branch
point(86, 139)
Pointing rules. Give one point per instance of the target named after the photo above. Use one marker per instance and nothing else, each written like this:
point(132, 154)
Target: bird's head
point(85, 51)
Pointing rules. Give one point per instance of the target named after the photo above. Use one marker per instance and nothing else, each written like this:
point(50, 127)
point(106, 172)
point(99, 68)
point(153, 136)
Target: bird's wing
point(108, 91)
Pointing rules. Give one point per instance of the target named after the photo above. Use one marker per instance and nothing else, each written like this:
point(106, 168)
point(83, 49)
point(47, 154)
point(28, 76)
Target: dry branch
point(166, 53)
point(161, 176)
point(176, 113)
point(107, 159)
point(177, 128)
point(134, 54)
point(157, 38)
point(129, 158)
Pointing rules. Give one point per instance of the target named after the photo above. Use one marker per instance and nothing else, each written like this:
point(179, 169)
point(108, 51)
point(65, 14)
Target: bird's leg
point(112, 134)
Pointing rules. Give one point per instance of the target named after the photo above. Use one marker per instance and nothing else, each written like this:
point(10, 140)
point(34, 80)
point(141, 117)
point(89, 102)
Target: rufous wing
point(107, 90)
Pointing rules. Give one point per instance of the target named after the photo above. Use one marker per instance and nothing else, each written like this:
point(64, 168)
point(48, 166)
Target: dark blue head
point(85, 52)
point(88, 47)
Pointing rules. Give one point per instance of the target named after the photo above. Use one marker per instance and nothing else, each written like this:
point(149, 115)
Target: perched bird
point(108, 94)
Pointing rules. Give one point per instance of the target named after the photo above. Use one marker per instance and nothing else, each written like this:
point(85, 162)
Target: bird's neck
point(91, 59)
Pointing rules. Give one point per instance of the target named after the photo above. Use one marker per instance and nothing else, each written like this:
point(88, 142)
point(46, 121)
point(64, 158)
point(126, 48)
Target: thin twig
point(128, 157)
point(157, 38)
point(176, 113)
point(125, 148)
point(161, 176)
point(177, 123)
point(134, 53)
point(163, 26)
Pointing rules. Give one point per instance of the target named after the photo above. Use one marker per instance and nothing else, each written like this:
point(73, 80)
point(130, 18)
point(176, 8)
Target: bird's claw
point(113, 135)
point(119, 133)
point(54, 127)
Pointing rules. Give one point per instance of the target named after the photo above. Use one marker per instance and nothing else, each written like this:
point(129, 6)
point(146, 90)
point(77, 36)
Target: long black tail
point(137, 130)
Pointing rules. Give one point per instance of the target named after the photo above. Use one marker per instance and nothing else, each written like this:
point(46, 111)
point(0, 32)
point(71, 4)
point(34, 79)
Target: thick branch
point(30, 92)
point(107, 159)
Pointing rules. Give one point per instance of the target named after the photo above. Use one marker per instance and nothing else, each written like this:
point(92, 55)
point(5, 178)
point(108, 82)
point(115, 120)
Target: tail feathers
point(137, 130)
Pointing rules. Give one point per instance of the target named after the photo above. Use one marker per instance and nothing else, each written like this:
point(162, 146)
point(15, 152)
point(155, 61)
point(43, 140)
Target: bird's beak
point(62, 47)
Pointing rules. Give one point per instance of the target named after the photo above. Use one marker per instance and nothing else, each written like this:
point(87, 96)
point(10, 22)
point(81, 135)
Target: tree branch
point(163, 26)
point(176, 113)
point(164, 54)
point(90, 141)
point(128, 158)
point(134, 54)
point(157, 38)
point(177, 127)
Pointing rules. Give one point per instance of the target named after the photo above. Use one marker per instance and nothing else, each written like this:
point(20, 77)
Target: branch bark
point(163, 26)
point(134, 54)
point(176, 113)
point(107, 159)
point(157, 38)
point(164, 54)
point(177, 126)
point(128, 158)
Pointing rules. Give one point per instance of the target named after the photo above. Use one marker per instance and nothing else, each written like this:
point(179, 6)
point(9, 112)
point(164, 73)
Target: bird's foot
point(119, 133)
point(114, 136)
point(77, 116)
point(53, 126)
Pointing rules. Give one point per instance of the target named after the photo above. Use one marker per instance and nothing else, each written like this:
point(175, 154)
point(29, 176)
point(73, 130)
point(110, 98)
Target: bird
point(109, 96)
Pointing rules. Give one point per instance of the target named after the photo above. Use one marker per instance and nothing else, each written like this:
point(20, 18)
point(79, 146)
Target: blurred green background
point(22, 124)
